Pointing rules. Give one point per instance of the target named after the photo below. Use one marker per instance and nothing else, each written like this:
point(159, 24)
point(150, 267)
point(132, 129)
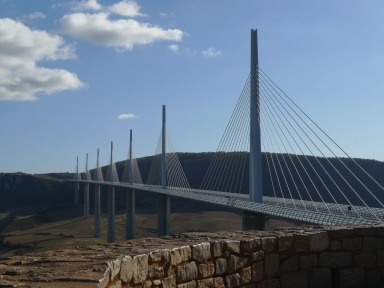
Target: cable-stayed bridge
point(273, 159)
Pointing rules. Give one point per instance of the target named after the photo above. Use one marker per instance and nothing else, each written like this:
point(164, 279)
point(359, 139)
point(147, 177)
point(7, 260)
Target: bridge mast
point(130, 200)
point(255, 177)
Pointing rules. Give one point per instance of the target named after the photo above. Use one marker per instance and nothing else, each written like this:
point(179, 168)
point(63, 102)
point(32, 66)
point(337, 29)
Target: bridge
point(273, 159)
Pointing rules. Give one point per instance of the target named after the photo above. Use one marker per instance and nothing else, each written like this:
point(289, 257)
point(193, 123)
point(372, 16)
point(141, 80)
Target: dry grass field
point(66, 228)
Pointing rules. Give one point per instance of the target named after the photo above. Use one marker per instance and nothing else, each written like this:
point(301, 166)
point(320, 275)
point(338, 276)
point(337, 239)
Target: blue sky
point(69, 69)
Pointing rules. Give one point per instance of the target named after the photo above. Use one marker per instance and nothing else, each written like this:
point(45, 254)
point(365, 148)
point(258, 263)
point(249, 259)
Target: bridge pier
point(163, 215)
point(253, 221)
point(86, 200)
point(77, 189)
point(97, 221)
point(130, 212)
point(111, 215)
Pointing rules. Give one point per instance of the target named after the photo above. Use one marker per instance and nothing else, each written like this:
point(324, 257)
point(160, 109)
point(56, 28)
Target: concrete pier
point(97, 212)
point(86, 200)
point(111, 215)
point(130, 224)
point(163, 215)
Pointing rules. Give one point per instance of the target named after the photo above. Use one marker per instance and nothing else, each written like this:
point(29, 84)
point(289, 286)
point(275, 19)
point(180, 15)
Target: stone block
point(250, 245)
point(217, 248)
point(114, 267)
point(380, 258)
point(372, 244)
point(180, 255)
point(126, 271)
point(206, 270)
point(147, 284)
point(201, 252)
point(155, 272)
point(272, 263)
point(284, 242)
point(156, 282)
point(220, 266)
point(169, 282)
point(232, 246)
point(245, 275)
point(269, 244)
point(161, 255)
point(335, 245)
point(351, 277)
point(296, 279)
point(232, 281)
point(320, 278)
point(186, 272)
point(318, 241)
point(257, 272)
point(379, 229)
point(117, 284)
point(211, 283)
point(270, 283)
point(290, 264)
point(301, 242)
point(139, 268)
point(365, 259)
point(352, 244)
point(335, 259)
point(235, 263)
point(373, 279)
point(257, 256)
point(339, 232)
point(191, 284)
point(364, 230)
point(308, 261)
point(104, 282)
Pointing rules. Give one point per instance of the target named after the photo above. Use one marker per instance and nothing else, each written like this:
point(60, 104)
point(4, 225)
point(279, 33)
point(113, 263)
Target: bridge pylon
point(130, 212)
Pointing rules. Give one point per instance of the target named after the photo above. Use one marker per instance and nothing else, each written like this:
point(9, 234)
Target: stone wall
point(330, 256)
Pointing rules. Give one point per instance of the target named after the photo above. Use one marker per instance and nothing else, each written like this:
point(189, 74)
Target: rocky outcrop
point(313, 257)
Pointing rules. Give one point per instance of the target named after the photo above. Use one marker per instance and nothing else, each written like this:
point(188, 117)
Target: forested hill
point(19, 189)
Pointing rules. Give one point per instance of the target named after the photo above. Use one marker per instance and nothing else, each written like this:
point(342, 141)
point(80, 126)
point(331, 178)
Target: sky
point(76, 75)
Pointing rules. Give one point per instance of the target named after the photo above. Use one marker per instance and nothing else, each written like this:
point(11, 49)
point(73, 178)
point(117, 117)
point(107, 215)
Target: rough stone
point(318, 241)
point(246, 275)
point(284, 242)
point(269, 244)
point(296, 279)
point(235, 263)
point(126, 271)
point(272, 262)
point(232, 280)
point(335, 245)
point(114, 266)
point(372, 244)
point(180, 254)
point(140, 268)
point(351, 244)
point(186, 272)
point(211, 283)
point(169, 282)
point(221, 266)
point(290, 264)
point(301, 242)
point(271, 283)
point(201, 252)
point(156, 282)
point(320, 278)
point(373, 279)
point(191, 284)
point(339, 232)
point(308, 261)
point(257, 256)
point(160, 255)
point(156, 272)
point(217, 248)
point(351, 277)
point(117, 284)
point(206, 270)
point(232, 246)
point(380, 258)
point(257, 272)
point(103, 282)
point(365, 259)
point(250, 245)
point(364, 231)
point(335, 259)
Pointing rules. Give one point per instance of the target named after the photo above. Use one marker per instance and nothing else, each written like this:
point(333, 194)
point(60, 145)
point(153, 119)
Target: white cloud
point(87, 5)
point(122, 34)
point(20, 51)
point(211, 52)
point(126, 8)
point(126, 116)
point(174, 48)
point(35, 15)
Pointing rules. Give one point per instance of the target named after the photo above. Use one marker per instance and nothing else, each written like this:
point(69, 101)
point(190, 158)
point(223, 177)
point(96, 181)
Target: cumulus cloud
point(174, 48)
point(211, 52)
point(35, 15)
point(126, 8)
point(21, 49)
point(126, 116)
point(87, 5)
point(122, 33)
